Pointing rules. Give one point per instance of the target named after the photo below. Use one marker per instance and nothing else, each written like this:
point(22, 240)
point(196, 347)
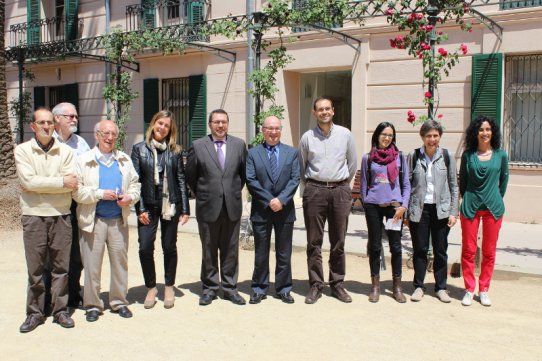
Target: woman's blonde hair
point(171, 138)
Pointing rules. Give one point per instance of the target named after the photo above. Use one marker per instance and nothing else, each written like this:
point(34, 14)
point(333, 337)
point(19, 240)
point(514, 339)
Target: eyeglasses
point(273, 129)
point(217, 122)
point(41, 123)
point(107, 134)
point(71, 116)
point(389, 136)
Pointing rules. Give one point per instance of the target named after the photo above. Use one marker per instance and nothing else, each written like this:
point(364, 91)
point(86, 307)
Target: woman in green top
point(483, 179)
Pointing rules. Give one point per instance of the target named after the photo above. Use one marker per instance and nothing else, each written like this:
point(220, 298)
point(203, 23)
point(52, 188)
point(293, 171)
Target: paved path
point(519, 248)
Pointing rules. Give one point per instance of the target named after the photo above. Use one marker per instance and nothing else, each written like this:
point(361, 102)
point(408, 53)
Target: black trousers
point(320, 204)
point(221, 236)
point(283, 249)
point(168, 235)
point(438, 229)
point(74, 270)
point(374, 215)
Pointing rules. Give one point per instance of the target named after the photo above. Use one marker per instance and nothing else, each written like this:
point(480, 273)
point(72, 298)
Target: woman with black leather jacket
point(164, 199)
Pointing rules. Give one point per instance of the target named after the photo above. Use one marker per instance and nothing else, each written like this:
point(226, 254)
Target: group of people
point(76, 201)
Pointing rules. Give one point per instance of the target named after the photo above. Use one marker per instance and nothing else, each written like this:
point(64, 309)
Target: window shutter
point(39, 97)
point(299, 5)
point(149, 14)
point(195, 12)
point(151, 105)
point(487, 79)
point(33, 17)
point(197, 107)
point(72, 11)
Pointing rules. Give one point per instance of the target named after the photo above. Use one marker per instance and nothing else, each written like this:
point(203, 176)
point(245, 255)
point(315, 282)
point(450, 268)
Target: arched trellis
point(196, 35)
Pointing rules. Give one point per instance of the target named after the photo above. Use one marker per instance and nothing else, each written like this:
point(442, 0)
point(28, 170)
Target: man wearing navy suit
point(216, 174)
point(272, 179)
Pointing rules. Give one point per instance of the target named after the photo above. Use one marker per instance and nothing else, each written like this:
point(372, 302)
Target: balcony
point(153, 14)
point(42, 31)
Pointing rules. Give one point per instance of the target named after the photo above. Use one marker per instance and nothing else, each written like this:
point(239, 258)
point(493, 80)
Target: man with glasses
point(272, 179)
point(328, 164)
point(66, 121)
point(46, 170)
point(216, 174)
point(108, 186)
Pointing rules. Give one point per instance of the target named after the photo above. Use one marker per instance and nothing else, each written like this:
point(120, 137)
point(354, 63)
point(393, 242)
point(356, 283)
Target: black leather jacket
point(143, 160)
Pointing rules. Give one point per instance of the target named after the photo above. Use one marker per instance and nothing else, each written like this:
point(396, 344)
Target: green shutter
point(149, 14)
point(299, 5)
point(72, 11)
point(33, 17)
point(151, 105)
point(197, 107)
point(195, 12)
point(487, 76)
point(39, 97)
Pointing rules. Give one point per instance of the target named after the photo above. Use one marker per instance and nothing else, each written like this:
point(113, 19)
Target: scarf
point(168, 209)
point(387, 157)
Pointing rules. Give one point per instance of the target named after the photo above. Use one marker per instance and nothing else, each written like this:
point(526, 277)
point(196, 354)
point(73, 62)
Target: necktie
point(273, 161)
point(220, 153)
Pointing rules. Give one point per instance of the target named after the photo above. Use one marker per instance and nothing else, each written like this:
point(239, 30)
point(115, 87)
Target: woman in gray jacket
point(433, 208)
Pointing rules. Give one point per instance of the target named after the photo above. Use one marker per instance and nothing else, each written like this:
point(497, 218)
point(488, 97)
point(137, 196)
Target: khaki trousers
point(114, 234)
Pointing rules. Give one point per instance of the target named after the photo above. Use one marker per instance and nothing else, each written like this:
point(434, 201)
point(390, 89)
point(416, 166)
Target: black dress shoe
point(123, 312)
point(31, 322)
point(286, 297)
point(341, 294)
point(64, 320)
point(206, 299)
point(93, 315)
point(257, 298)
point(235, 298)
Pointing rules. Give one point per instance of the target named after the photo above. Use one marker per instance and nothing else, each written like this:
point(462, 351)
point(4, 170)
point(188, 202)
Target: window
point(59, 18)
point(175, 99)
point(516, 4)
point(523, 108)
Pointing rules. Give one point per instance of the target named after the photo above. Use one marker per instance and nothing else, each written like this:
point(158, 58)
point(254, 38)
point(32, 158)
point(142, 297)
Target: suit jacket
point(263, 188)
point(213, 186)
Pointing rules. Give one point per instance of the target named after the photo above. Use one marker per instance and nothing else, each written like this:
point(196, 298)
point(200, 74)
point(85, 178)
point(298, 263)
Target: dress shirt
point(430, 191)
point(328, 158)
point(223, 145)
point(75, 142)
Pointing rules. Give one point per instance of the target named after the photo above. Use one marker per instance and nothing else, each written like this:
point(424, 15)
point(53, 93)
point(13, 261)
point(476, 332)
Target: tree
point(7, 163)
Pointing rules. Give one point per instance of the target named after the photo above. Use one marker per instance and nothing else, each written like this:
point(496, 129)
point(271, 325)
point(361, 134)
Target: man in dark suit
point(272, 179)
point(216, 174)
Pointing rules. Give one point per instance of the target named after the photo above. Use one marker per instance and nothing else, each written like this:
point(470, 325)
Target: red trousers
point(490, 234)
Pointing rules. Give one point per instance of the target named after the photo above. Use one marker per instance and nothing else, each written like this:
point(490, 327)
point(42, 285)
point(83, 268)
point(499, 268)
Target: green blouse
point(482, 184)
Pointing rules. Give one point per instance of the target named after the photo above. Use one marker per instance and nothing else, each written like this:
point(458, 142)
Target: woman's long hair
point(471, 134)
point(171, 138)
point(378, 130)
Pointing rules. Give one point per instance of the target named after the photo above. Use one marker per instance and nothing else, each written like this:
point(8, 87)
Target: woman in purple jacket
point(385, 192)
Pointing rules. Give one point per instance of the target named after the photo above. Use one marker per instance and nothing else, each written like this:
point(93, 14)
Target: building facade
point(501, 75)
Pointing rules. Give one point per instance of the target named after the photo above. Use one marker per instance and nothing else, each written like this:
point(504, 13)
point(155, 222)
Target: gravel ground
point(10, 210)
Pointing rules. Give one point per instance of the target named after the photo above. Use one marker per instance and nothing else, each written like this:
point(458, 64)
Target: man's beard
point(73, 128)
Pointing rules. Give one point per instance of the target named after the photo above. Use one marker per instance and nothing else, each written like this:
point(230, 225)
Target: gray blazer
point(213, 186)
point(445, 182)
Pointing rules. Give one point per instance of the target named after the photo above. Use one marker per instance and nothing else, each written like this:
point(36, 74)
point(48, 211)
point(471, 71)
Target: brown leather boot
point(375, 290)
point(398, 290)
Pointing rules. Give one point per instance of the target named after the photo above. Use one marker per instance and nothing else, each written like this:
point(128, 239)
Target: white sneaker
point(467, 299)
point(417, 295)
point(442, 295)
point(484, 299)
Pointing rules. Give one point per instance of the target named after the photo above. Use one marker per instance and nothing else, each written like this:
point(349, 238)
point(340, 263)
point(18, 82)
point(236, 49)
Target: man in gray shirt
point(328, 164)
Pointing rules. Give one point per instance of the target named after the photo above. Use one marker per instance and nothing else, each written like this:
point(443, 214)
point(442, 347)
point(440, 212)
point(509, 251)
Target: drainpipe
point(250, 68)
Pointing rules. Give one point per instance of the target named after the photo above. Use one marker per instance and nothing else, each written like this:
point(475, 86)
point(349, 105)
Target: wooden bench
point(356, 196)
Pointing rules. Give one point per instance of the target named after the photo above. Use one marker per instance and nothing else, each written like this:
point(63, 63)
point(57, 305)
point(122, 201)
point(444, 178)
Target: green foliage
point(14, 105)
point(121, 46)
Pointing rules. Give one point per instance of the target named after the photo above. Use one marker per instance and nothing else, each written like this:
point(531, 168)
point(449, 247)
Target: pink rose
point(428, 94)
point(442, 51)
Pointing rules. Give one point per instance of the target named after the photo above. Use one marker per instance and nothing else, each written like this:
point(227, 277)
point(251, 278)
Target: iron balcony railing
point(152, 14)
point(48, 30)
